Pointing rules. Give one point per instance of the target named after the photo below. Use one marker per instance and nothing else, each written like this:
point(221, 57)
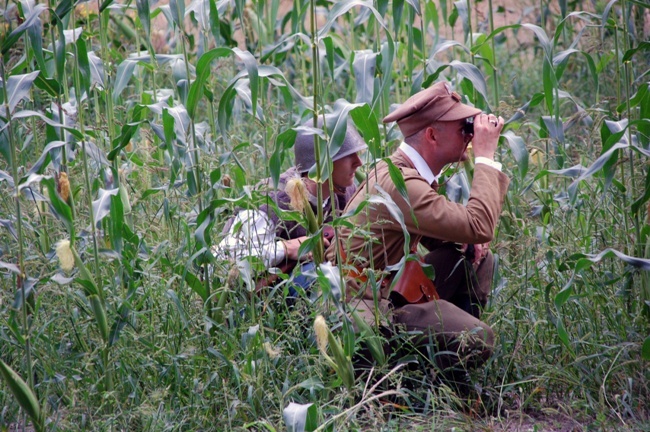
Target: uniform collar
point(419, 163)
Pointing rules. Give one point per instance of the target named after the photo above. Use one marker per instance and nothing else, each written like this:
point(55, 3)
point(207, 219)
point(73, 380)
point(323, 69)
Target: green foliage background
point(161, 116)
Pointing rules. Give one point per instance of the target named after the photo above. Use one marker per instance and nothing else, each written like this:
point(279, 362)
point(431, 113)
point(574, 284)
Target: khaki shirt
point(378, 235)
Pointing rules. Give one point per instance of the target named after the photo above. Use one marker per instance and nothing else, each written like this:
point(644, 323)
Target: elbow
point(483, 233)
point(485, 237)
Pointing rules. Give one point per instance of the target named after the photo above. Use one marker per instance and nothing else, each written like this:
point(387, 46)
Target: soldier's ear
point(430, 133)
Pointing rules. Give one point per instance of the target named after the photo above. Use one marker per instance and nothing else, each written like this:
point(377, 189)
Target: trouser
point(457, 281)
point(449, 329)
point(438, 329)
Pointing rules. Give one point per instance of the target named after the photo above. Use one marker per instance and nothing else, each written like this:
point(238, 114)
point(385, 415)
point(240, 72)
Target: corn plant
point(131, 131)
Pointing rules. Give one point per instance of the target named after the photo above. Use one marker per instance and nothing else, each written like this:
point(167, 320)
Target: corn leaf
point(84, 66)
point(342, 7)
point(519, 151)
point(203, 71)
point(364, 66)
point(60, 207)
point(300, 417)
point(23, 394)
point(102, 205)
point(144, 14)
point(32, 20)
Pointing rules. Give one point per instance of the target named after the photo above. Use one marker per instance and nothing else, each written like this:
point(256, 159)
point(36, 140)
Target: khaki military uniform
point(378, 241)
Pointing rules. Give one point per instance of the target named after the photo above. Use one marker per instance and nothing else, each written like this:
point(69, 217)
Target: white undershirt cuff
point(487, 161)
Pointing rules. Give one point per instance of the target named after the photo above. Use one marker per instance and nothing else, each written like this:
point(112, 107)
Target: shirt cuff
point(483, 160)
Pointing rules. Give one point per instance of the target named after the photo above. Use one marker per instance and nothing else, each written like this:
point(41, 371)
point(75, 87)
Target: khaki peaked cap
point(436, 103)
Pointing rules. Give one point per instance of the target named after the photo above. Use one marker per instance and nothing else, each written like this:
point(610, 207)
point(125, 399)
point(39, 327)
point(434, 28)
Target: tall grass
point(162, 117)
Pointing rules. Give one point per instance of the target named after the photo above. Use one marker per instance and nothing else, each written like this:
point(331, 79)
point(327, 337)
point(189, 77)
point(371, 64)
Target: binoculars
point(468, 127)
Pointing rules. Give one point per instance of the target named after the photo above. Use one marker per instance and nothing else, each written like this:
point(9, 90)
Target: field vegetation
point(130, 132)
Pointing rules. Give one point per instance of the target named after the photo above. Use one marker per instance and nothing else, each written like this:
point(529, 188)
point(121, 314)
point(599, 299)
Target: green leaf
point(563, 335)
point(543, 39)
point(432, 16)
point(596, 166)
point(44, 160)
point(225, 104)
point(453, 17)
point(100, 316)
point(638, 99)
point(215, 25)
point(179, 306)
point(181, 122)
point(364, 66)
point(521, 111)
point(144, 14)
point(300, 417)
point(96, 69)
point(191, 280)
point(415, 4)
point(605, 17)
point(60, 207)
point(18, 89)
point(204, 222)
point(638, 204)
point(251, 67)
point(177, 9)
point(473, 74)
point(519, 151)
point(554, 127)
point(50, 85)
point(128, 130)
point(461, 10)
point(398, 180)
point(343, 364)
point(59, 49)
point(116, 220)
point(645, 349)
point(84, 66)
point(24, 395)
point(63, 8)
point(373, 341)
point(565, 293)
point(122, 77)
point(203, 71)
point(283, 142)
point(28, 113)
point(342, 7)
point(368, 126)
point(35, 36)
point(641, 3)
point(102, 205)
point(32, 20)
point(105, 4)
point(398, 9)
point(549, 83)
point(382, 197)
point(640, 263)
point(329, 53)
